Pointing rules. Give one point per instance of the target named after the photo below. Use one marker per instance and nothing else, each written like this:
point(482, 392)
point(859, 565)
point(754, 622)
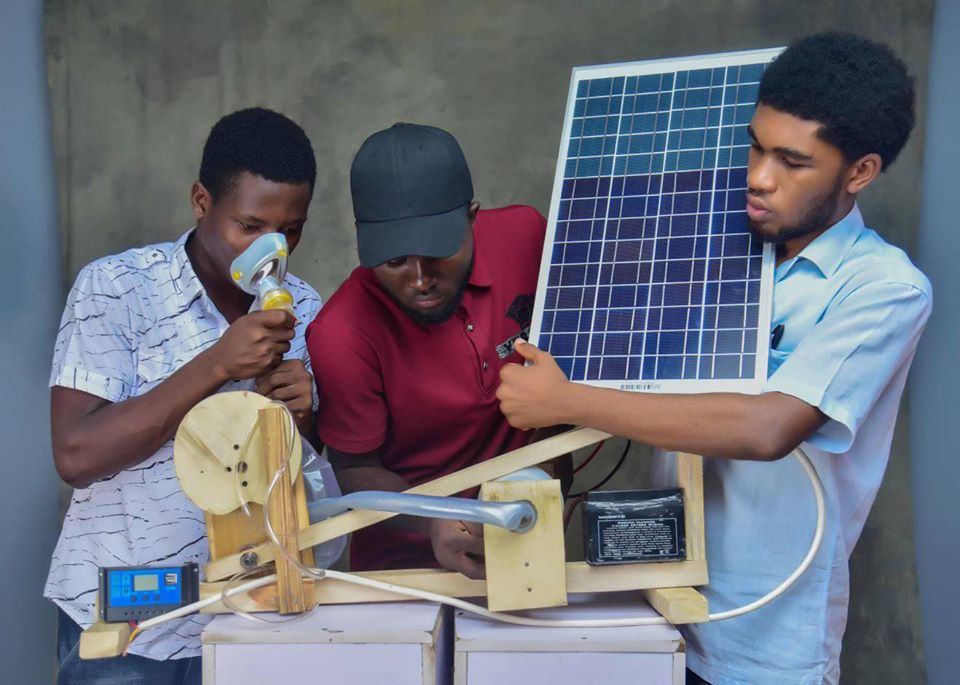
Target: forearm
point(119, 435)
point(730, 425)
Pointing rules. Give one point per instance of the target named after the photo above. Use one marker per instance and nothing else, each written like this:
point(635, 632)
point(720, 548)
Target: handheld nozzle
point(260, 270)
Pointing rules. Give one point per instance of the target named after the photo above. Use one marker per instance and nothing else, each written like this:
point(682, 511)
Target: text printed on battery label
point(626, 539)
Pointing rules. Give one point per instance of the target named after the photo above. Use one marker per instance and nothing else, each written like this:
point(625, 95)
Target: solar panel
point(650, 278)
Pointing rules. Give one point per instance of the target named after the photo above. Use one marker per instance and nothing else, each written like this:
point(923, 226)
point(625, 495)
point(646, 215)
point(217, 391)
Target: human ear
point(863, 171)
point(200, 200)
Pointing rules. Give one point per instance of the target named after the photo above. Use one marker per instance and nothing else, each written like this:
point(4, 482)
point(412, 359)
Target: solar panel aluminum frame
point(645, 68)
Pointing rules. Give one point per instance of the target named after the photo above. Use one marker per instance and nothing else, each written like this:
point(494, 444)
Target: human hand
point(533, 396)
point(458, 546)
point(253, 344)
point(289, 382)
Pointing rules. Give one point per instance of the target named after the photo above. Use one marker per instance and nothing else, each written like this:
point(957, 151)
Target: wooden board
point(218, 439)
point(690, 480)
point(227, 533)
point(581, 577)
point(472, 476)
point(103, 640)
point(526, 570)
point(277, 438)
point(679, 604)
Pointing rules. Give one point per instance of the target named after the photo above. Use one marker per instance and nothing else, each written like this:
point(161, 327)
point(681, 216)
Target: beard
point(438, 314)
point(814, 218)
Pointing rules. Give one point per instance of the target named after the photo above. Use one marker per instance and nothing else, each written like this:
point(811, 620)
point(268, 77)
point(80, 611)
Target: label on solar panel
point(650, 278)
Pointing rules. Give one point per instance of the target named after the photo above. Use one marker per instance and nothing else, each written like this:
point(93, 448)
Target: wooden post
point(274, 422)
point(690, 480)
point(526, 570)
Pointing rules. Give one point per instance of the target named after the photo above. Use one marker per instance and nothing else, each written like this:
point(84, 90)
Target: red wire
point(596, 450)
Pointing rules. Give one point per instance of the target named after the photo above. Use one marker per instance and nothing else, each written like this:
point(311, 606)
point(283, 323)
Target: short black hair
point(259, 141)
point(857, 88)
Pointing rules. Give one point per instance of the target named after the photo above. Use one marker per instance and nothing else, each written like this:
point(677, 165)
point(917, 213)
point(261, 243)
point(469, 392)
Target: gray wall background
point(135, 88)
point(31, 299)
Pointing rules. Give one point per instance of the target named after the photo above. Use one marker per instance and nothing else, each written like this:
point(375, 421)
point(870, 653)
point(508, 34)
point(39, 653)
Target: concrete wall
point(31, 298)
point(136, 86)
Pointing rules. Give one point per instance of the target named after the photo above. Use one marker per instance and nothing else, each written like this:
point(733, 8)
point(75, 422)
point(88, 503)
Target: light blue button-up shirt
point(852, 307)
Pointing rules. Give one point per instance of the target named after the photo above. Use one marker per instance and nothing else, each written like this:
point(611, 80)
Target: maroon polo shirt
point(425, 394)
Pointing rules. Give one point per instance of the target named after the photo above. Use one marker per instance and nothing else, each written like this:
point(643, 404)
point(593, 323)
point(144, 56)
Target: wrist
point(568, 404)
point(210, 364)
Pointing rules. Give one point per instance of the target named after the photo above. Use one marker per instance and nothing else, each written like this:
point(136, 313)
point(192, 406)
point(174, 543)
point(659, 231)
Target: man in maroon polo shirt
point(407, 353)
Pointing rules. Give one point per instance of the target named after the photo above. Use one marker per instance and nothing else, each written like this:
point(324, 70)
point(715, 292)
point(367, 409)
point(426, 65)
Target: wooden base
point(102, 640)
point(581, 578)
point(678, 605)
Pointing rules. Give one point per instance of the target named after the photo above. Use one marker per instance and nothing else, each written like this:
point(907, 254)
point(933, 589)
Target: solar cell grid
point(650, 275)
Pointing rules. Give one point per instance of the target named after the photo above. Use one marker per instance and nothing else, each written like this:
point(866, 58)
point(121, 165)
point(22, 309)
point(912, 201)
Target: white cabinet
point(402, 643)
point(488, 653)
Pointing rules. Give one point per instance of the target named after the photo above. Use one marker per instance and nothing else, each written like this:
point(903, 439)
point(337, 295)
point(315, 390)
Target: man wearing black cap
point(408, 351)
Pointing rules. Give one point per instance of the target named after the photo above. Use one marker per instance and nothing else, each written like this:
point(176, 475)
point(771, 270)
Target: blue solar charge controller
point(136, 593)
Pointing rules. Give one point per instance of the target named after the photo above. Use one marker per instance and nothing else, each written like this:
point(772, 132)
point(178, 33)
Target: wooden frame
point(667, 586)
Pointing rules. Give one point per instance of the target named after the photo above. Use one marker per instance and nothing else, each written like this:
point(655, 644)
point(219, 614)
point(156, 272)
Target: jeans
point(120, 670)
point(694, 679)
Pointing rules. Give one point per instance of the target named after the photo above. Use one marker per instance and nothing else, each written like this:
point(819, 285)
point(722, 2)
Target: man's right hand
point(253, 344)
point(458, 546)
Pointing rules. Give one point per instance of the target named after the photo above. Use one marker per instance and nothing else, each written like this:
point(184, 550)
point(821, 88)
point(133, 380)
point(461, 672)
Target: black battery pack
point(633, 526)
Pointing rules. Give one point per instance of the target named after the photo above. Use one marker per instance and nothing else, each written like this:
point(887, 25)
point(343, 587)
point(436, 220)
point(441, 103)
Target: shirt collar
point(184, 278)
point(831, 246)
point(480, 277)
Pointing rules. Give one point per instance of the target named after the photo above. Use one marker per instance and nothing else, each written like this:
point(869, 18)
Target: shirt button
point(470, 328)
point(486, 365)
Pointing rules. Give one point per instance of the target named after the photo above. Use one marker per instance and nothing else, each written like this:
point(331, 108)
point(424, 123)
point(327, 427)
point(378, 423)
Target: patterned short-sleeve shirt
point(130, 322)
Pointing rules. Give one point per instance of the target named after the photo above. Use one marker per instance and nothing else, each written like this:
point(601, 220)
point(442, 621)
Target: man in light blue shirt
point(833, 111)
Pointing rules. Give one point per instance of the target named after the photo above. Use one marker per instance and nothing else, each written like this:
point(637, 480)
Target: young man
point(407, 351)
point(833, 112)
point(145, 336)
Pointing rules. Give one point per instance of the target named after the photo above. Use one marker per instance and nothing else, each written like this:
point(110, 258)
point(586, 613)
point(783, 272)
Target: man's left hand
point(290, 383)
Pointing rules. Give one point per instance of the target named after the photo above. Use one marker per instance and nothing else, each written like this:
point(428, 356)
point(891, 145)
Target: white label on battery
point(623, 539)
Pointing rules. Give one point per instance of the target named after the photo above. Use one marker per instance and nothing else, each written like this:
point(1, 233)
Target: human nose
point(760, 177)
point(421, 278)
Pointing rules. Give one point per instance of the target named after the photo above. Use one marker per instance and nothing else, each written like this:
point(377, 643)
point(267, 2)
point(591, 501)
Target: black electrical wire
point(610, 475)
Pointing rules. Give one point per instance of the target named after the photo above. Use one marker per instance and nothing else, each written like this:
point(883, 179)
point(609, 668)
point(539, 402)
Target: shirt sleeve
point(94, 351)
point(308, 315)
point(352, 416)
point(848, 359)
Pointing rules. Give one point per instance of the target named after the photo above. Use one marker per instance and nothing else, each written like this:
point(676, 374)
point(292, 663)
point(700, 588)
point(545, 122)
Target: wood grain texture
point(526, 570)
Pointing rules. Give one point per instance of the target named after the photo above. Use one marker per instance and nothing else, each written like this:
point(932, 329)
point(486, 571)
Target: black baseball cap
point(411, 191)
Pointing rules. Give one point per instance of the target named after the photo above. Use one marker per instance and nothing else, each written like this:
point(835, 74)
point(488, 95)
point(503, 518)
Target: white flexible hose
point(197, 606)
point(320, 573)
